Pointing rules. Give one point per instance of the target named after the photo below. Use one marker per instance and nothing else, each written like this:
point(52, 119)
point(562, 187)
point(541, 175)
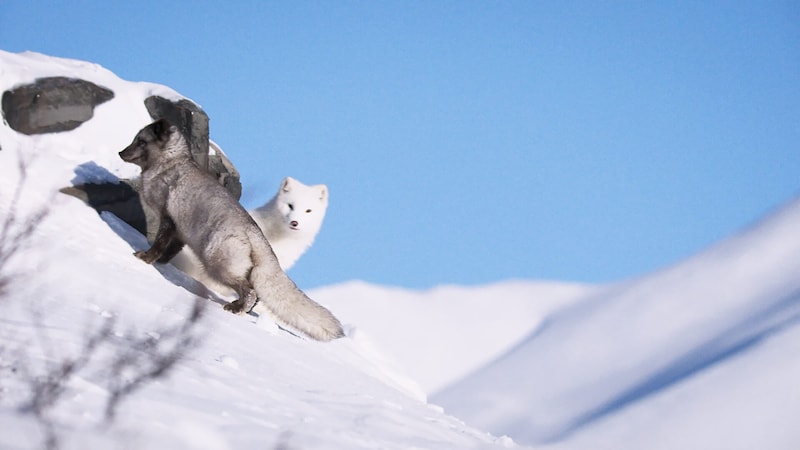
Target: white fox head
point(302, 207)
point(292, 218)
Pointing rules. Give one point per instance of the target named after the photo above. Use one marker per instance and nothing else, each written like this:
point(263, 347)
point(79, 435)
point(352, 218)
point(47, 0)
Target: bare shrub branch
point(149, 358)
point(47, 390)
point(15, 231)
point(134, 364)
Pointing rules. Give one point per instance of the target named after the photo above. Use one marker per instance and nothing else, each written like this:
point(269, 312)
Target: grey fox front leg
point(164, 241)
point(174, 247)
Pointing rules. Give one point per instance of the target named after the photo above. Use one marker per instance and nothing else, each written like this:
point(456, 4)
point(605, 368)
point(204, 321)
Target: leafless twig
point(15, 231)
point(48, 388)
point(134, 363)
point(150, 358)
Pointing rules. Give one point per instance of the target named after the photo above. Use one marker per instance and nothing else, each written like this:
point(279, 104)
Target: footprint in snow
point(229, 361)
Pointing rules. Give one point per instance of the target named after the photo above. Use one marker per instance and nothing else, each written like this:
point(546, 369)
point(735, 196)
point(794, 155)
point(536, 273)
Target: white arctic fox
point(292, 219)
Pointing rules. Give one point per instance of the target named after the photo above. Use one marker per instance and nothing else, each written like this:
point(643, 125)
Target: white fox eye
point(308, 211)
point(291, 206)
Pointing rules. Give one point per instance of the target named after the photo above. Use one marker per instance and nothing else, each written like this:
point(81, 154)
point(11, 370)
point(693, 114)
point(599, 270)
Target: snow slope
point(248, 384)
point(700, 355)
point(439, 335)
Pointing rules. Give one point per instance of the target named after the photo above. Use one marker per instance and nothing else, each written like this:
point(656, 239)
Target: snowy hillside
point(243, 384)
point(460, 328)
point(701, 355)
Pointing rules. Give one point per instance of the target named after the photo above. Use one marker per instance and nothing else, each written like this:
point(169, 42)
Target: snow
point(651, 349)
point(247, 385)
point(460, 328)
point(701, 355)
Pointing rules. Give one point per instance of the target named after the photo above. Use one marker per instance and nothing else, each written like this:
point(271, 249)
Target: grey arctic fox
point(194, 209)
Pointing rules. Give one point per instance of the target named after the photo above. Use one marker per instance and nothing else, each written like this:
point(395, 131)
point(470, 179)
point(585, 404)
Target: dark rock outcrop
point(193, 123)
point(122, 198)
point(189, 118)
point(56, 104)
point(223, 169)
point(52, 104)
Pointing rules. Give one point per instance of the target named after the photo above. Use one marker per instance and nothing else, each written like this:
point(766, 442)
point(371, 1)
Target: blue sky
point(469, 142)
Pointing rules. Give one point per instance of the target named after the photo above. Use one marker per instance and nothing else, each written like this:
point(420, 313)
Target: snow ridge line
point(737, 339)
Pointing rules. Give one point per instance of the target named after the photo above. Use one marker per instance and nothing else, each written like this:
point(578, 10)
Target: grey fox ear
point(158, 127)
point(162, 128)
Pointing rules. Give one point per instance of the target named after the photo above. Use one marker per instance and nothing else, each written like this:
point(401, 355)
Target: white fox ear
point(323, 193)
point(286, 186)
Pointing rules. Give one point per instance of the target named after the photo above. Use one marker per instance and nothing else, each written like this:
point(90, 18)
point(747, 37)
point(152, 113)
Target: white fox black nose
point(294, 223)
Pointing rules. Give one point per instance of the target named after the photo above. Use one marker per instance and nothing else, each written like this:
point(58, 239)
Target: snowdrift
point(77, 299)
point(678, 353)
point(438, 335)
point(700, 355)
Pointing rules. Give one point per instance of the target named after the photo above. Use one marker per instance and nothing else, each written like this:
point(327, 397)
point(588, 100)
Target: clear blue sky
point(468, 142)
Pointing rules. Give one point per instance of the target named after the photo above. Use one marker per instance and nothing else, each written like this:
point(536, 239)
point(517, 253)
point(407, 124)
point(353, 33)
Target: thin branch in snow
point(151, 357)
point(16, 231)
point(47, 389)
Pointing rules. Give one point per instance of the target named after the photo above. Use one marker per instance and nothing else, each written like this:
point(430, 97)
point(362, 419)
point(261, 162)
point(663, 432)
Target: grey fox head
point(155, 142)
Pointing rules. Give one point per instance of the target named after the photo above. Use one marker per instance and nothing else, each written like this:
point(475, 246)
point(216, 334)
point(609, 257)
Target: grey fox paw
point(236, 307)
point(145, 256)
